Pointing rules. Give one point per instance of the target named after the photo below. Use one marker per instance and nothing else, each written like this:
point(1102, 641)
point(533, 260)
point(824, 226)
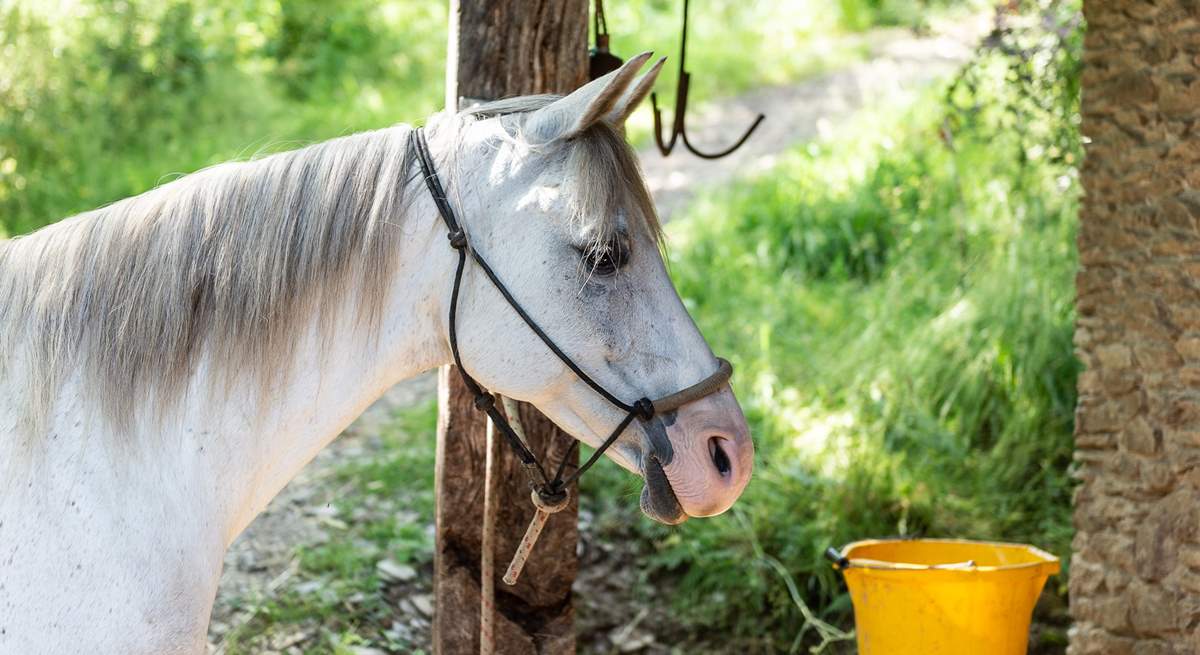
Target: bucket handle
point(840, 562)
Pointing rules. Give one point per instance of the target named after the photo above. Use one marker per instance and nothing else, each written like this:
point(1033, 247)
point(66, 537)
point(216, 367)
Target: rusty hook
point(678, 129)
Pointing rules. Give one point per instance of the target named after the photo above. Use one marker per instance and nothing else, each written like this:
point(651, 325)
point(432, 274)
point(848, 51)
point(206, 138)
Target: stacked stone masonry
point(1135, 574)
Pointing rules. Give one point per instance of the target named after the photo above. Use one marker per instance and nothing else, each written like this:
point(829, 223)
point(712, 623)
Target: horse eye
point(604, 260)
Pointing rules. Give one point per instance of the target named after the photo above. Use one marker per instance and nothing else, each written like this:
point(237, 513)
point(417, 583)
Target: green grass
point(909, 371)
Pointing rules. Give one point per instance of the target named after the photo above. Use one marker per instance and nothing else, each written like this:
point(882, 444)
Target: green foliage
point(317, 45)
point(864, 14)
point(898, 305)
point(105, 100)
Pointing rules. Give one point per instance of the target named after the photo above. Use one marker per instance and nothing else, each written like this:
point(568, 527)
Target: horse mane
point(221, 262)
point(225, 265)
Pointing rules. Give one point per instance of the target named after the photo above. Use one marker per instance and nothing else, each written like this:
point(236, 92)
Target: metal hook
point(678, 129)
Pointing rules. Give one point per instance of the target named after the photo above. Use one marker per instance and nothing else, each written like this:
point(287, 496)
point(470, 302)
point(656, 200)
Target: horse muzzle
point(710, 461)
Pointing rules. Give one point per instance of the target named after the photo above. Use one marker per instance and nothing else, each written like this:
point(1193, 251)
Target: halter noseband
point(550, 490)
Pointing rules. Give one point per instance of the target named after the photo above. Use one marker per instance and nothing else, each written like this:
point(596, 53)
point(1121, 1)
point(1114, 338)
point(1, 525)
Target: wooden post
point(501, 48)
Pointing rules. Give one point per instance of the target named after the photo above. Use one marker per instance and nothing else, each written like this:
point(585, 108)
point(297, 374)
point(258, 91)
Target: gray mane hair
point(223, 262)
point(225, 265)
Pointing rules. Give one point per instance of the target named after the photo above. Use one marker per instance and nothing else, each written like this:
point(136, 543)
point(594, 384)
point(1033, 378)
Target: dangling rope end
point(547, 505)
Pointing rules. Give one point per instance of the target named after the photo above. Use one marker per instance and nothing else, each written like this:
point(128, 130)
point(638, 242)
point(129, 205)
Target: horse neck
point(340, 369)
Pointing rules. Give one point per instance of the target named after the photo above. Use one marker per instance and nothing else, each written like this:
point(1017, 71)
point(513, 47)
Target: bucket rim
point(1049, 564)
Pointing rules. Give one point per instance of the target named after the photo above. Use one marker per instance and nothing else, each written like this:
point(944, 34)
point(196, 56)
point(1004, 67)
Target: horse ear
point(635, 94)
point(572, 114)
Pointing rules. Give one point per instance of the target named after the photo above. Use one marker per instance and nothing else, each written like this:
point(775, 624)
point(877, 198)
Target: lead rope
point(487, 575)
point(487, 548)
point(545, 505)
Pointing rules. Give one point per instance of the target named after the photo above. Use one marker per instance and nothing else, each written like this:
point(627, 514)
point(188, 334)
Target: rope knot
point(644, 409)
point(484, 402)
point(550, 501)
point(458, 239)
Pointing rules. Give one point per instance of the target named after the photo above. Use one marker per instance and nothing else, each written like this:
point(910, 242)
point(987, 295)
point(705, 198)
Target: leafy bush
point(862, 14)
point(316, 44)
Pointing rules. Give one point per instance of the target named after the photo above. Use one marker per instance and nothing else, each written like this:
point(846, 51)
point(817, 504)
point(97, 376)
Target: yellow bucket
point(943, 596)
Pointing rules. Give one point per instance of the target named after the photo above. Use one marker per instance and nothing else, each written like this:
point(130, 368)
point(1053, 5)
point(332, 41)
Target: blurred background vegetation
point(160, 87)
point(897, 298)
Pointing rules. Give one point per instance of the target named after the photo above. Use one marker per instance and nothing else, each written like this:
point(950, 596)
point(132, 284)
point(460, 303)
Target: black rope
point(545, 338)
point(612, 438)
point(600, 24)
point(484, 400)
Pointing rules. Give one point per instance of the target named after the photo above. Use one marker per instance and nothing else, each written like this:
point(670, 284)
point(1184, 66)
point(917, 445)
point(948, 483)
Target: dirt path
point(899, 64)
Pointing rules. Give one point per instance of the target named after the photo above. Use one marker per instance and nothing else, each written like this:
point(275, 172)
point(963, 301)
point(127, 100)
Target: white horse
point(169, 362)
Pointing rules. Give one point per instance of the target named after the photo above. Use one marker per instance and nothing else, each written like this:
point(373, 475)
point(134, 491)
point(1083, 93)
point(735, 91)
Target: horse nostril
point(719, 458)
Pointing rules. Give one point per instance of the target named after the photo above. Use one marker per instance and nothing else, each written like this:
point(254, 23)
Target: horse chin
point(658, 499)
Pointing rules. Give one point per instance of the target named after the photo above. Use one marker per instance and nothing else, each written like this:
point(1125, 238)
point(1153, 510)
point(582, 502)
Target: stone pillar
point(1135, 574)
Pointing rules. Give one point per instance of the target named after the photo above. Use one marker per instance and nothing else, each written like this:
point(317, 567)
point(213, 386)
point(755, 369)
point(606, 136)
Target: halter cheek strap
point(550, 491)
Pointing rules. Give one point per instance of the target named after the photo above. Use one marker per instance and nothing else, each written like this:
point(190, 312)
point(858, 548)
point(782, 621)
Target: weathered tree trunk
point(1135, 574)
point(501, 48)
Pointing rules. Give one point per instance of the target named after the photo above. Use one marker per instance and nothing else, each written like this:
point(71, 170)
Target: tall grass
point(898, 305)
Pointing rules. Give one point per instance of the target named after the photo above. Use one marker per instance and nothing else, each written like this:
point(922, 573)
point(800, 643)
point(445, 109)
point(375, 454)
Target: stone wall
point(1135, 575)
